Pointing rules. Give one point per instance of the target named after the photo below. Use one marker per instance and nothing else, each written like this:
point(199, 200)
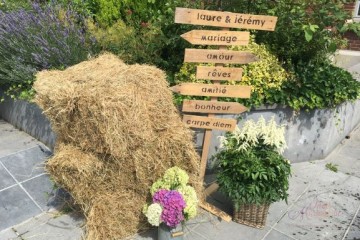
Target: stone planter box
point(28, 117)
point(310, 135)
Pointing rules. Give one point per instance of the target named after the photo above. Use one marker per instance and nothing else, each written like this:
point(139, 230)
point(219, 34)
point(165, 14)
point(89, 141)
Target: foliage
point(37, 39)
point(174, 182)
point(254, 171)
point(266, 76)
point(142, 31)
point(319, 85)
point(331, 167)
point(11, 5)
point(130, 44)
point(305, 29)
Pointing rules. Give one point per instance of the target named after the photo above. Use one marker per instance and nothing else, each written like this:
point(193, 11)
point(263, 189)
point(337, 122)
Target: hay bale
point(105, 223)
point(117, 132)
point(105, 105)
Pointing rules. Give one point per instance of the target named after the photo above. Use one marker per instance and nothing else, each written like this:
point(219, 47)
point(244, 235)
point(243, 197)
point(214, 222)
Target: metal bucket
point(167, 233)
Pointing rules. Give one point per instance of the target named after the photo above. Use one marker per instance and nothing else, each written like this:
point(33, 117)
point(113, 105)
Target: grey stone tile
point(276, 235)
point(277, 210)
point(8, 234)
point(325, 210)
point(54, 226)
point(13, 140)
point(26, 164)
point(15, 207)
point(5, 179)
point(308, 170)
point(346, 164)
point(354, 231)
point(42, 190)
point(222, 230)
point(148, 235)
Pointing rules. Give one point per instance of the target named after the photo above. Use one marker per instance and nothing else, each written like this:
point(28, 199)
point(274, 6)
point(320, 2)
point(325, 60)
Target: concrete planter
point(29, 118)
point(310, 135)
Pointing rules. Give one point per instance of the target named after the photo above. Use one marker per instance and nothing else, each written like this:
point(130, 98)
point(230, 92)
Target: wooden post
point(208, 132)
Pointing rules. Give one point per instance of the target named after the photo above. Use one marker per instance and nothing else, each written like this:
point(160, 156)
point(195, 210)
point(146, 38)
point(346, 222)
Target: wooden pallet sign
point(199, 106)
point(219, 73)
point(209, 123)
point(218, 56)
point(199, 89)
point(224, 19)
point(208, 37)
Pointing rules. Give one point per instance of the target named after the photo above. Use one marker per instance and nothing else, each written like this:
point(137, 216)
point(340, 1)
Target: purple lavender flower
point(42, 39)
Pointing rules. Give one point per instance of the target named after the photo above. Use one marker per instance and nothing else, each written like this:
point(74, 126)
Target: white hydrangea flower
point(153, 214)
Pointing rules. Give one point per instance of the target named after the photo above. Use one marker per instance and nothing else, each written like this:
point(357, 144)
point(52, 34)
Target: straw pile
point(117, 132)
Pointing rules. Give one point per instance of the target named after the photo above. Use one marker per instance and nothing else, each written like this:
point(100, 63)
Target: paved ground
point(322, 204)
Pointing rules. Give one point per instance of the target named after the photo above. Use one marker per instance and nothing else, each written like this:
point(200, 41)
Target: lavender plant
point(38, 39)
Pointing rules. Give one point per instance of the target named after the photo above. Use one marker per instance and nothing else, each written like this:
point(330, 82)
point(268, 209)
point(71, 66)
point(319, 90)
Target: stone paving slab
point(45, 196)
point(27, 163)
point(325, 210)
point(322, 204)
point(354, 230)
point(15, 207)
point(6, 180)
point(13, 140)
point(47, 226)
point(276, 235)
point(8, 234)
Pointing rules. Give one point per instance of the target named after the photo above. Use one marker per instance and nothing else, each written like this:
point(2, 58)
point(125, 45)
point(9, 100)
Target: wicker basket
point(252, 215)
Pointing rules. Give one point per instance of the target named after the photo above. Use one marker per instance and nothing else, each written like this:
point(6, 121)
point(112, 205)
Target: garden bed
point(28, 117)
point(310, 135)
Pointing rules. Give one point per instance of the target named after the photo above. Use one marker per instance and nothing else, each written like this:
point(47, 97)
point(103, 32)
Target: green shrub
point(130, 44)
point(251, 166)
point(305, 29)
point(319, 85)
point(11, 5)
point(266, 76)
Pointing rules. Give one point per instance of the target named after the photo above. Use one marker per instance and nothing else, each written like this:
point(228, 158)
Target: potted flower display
point(252, 171)
point(173, 202)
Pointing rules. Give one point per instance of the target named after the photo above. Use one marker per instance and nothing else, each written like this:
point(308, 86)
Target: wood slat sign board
point(218, 56)
point(224, 19)
point(213, 107)
point(207, 37)
point(209, 122)
point(219, 73)
point(199, 89)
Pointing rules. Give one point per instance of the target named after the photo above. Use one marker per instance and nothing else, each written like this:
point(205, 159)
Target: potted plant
point(173, 202)
point(252, 171)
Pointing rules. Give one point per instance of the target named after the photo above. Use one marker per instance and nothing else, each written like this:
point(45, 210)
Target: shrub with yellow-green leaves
point(266, 76)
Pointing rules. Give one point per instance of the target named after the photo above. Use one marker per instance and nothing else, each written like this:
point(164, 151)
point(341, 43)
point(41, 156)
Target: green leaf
point(308, 34)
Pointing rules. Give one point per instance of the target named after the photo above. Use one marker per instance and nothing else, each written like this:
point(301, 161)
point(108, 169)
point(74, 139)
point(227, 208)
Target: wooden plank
point(211, 189)
point(218, 56)
point(209, 122)
point(214, 210)
point(213, 107)
point(213, 37)
point(224, 19)
point(219, 73)
point(199, 89)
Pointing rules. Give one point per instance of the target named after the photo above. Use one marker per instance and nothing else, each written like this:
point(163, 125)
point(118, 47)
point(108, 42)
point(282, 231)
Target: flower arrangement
point(251, 167)
point(173, 201)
